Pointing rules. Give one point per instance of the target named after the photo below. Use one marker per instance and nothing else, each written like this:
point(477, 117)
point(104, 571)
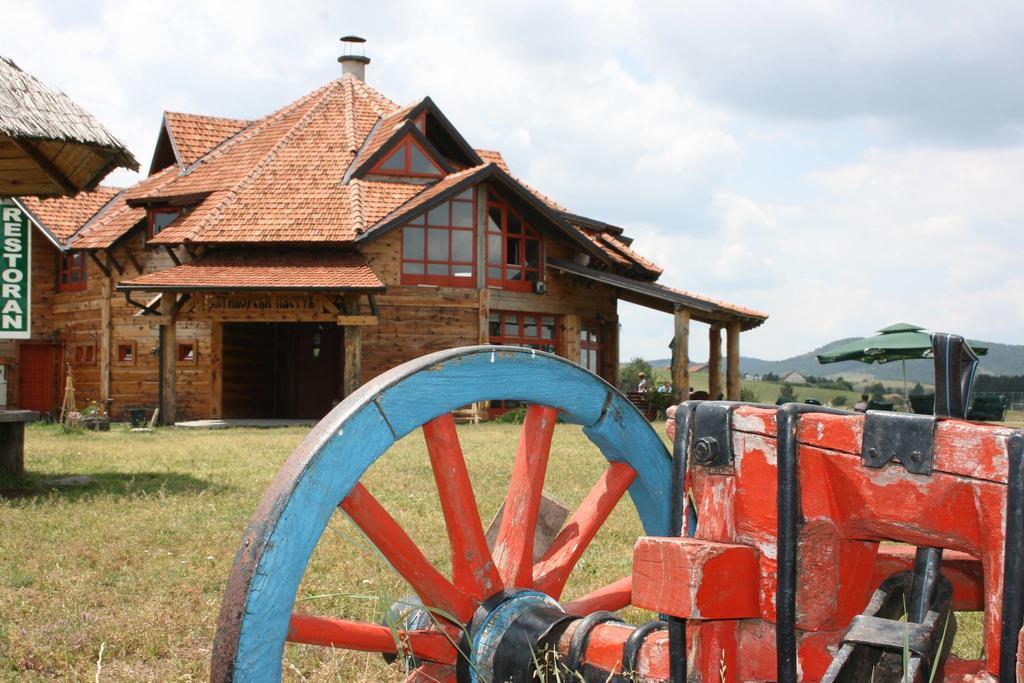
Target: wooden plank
point(681, 354)
point(732, 361)
point(613, 597)
point(357, 320)
point(714, 361)
point(169, 355)
point(46, 165)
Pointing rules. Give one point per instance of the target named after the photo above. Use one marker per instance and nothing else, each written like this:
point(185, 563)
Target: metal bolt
point(705, 451)
point(873, 452)
point(916, 457)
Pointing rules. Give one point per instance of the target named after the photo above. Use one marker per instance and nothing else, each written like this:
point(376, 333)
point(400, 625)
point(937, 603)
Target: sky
point(838, 165)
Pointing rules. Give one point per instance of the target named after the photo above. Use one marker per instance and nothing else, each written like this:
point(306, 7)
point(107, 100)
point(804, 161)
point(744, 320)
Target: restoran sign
point(15, 271)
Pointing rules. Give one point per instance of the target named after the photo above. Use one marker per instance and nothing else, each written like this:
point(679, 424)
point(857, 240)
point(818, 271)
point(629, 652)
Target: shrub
point(839, 400)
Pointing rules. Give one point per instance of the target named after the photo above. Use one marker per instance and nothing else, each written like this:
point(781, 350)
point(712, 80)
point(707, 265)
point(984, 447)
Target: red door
point(39, 377)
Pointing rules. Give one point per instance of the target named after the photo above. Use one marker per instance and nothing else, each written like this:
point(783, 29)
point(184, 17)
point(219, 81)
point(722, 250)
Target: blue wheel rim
point(321, 472)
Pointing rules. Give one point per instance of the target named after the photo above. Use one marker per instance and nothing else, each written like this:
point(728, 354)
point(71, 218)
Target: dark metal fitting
point(705, 451)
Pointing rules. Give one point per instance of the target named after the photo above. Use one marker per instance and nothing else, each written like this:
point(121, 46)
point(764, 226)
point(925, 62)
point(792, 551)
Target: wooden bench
point(12, 440)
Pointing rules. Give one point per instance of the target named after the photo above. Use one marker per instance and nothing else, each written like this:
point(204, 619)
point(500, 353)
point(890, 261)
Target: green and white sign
point(15, 272)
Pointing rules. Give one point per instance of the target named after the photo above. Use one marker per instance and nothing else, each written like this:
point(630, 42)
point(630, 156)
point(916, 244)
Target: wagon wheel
point(256, 616)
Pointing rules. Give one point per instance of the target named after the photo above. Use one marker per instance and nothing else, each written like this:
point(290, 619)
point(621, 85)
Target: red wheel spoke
point(473, 570)
point(551, 573)
point(513, 549)
point(613, 597)
point(357, 635)
point(384, 532)
point(431, 673)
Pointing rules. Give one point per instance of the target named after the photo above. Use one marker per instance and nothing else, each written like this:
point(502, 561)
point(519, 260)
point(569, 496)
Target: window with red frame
point(532, 330)
point(438, 246)
point(71, 276)
point(591, 346)
point(158, 219)
point(514, 249)
point(408, 158)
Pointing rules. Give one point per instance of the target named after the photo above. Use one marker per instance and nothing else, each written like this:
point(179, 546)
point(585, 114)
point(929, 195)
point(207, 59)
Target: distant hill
point(1002, 359)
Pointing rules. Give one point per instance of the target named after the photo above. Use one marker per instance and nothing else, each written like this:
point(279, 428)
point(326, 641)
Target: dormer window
point(158, 219)
point(408, 158)
point(514, 249)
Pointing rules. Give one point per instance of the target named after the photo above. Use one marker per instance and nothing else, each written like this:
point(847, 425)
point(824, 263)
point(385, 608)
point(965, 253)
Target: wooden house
point(266, 268)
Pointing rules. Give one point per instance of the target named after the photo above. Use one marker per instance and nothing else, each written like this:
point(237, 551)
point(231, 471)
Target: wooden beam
point(714, 361)
point(131, 257)
point(611, 328)
point(216, 370)
point(357, 320)
point(681, 354)
point(174, 257)
point(46, 166)
point(732, 361)
point(99, 264)
point(111, 261)
point(169, 356)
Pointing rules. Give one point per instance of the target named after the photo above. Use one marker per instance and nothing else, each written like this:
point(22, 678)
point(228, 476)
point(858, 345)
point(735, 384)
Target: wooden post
point(216, 369)
point(484, 331)
point(169, 354)
point(353, 357)
point(612, 350)
point(714, 361)
point(105, 336)
point(681, 354)
point(732, 362)
point(572, 337)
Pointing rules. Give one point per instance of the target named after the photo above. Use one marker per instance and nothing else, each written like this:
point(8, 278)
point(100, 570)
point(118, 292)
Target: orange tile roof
point(263, 271)
point(194, 135)
point(492, 157)
point(62, 216)
point(285, 178)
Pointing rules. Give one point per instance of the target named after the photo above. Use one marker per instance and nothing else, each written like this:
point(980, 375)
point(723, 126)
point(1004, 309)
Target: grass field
point(136, 560)
point(133, 563)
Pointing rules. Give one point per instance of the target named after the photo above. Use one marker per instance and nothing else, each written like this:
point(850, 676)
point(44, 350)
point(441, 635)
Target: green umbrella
point(901, 342)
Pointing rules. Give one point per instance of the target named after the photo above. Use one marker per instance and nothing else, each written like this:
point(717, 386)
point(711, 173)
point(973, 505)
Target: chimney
point(352, 63)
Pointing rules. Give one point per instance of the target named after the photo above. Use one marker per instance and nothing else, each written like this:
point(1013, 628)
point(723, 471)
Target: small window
point(187, 352)
point(85, 354)
point(408, 158)
point(158, 219)
point(72, 276)
point(126, 353)
point(591, 346)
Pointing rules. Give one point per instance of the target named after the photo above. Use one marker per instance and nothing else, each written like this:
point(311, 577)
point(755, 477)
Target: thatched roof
point(48, 144)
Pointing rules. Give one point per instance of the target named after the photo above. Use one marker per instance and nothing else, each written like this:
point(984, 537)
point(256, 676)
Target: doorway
point(281, 370)
point(39, 377)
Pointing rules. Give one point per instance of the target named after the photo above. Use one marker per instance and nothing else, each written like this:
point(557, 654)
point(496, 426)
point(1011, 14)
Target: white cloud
point(688, 124)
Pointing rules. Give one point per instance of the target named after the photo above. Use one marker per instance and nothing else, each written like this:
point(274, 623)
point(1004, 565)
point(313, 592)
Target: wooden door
point(315, 361)
point(39, 377)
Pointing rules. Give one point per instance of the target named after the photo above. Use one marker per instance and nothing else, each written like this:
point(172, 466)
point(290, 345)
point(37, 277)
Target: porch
point(685, 309)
